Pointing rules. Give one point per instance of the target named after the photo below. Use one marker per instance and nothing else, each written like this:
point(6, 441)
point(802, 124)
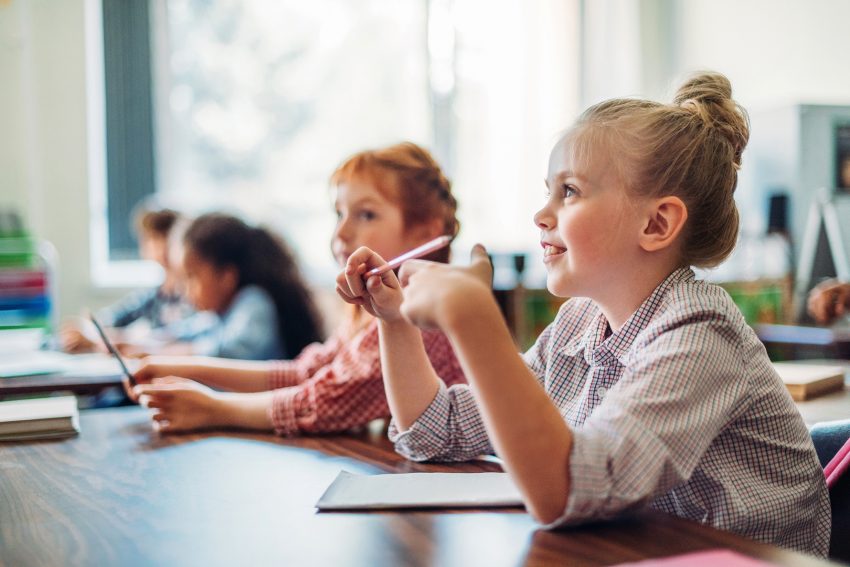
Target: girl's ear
point(430, 230)
point(229, 277)
point(665, 220)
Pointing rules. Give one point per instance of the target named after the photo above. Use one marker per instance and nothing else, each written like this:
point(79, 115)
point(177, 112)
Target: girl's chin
point(554, 288)
point(558, 287)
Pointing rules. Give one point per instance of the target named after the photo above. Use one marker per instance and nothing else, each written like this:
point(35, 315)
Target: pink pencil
point(418, 252)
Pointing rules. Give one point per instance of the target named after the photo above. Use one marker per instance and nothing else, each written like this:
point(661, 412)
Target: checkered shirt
point(680, 410)
point(337, 385)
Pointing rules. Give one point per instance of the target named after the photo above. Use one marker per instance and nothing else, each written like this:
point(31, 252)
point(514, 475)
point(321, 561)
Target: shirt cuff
point(590, 483)
point(283, 412)
point(425, 439)
point(281, 375)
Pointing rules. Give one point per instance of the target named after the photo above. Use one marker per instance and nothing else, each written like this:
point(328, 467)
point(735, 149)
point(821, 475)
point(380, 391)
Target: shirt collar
point(600, 350)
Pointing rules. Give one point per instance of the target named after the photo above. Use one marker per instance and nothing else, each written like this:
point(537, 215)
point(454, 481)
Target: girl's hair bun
point(705, 87)
point(708, 96)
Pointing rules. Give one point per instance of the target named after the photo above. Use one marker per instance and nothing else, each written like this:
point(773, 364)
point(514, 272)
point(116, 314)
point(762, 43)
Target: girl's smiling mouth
point(551, 250)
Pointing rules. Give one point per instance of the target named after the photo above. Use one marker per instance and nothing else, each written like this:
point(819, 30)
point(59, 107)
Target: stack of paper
point(419, 490)
point(45, 418)
point(33, 362)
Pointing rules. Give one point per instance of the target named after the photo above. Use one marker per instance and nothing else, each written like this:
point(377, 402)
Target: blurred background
point(248, 105)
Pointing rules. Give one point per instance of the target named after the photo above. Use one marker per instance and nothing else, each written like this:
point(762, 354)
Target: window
point(255, 102)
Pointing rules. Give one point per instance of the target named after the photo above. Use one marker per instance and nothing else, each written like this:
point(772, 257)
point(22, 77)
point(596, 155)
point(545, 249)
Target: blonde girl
point(648, 389)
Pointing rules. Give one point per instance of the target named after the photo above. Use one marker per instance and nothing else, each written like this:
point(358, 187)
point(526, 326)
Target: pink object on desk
point(837, 465)
point(708, 558)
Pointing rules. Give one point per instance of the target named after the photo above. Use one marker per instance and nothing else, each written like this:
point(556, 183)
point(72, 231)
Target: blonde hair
point(408, 175)
point(690, 149)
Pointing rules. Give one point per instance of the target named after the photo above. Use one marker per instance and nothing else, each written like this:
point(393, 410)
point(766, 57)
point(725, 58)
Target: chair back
point(832, 443)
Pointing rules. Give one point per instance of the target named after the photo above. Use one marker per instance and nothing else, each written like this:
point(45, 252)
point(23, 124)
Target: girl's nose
point(544, 218)
point(341, 232)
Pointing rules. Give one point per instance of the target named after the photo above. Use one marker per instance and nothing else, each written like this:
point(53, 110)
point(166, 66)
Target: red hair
point(408, 175)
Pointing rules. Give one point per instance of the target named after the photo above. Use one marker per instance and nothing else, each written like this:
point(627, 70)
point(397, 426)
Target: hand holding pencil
point(435, 293)
point(379, 294)
point(368, 280)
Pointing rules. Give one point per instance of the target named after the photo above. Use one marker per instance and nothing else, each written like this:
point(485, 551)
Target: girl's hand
point(131, 350)
point(74, 341)
point(181, 404)
point(156, 367)
point(828, 301)
point(379, 295)
point(144, 373)
point(434, 293)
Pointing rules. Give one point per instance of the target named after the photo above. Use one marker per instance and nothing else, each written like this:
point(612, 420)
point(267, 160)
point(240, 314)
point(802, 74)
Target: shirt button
point(601, 391)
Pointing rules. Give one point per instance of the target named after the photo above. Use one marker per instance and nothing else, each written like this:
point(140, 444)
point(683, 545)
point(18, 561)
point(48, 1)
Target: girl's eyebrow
point(360, 202)
point(572, 174)
point(568, 174)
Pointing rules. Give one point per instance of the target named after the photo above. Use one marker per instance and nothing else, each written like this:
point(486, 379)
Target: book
point(805, 381)
point(419, 490)
point(43, 418)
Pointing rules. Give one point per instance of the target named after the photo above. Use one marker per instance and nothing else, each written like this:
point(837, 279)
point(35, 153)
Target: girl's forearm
point(524, 425)
point(223, 373)
point(409, 379)
point(246, 411)
point(179, 348)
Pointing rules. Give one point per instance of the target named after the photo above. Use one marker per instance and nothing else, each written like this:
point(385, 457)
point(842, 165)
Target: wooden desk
point(121, 495)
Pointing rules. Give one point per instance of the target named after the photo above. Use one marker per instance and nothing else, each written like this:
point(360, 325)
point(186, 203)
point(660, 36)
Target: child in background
point(829, 301)
point(249, 279)
point(392, 200)
point(156, 308)
point(648, 389)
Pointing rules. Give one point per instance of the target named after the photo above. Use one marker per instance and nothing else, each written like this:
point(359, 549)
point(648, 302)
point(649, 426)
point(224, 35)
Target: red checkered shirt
point(337, 385)
point(680, 410)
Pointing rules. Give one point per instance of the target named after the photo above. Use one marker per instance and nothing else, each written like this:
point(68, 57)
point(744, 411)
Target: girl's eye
point(366, 215)
point(568, 191)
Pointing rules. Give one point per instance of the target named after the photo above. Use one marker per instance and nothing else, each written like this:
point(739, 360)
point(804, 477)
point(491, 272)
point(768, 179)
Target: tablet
point(113, 350)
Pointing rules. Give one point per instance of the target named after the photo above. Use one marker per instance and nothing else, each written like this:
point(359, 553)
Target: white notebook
point(44, 418)
point(419, 490)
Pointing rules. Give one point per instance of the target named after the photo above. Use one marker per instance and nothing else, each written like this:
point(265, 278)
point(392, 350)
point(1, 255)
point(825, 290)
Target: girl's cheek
point(193, 293)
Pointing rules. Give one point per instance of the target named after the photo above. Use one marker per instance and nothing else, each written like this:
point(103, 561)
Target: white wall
point(774, 52)
point(43, 154)
point(14, 140)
